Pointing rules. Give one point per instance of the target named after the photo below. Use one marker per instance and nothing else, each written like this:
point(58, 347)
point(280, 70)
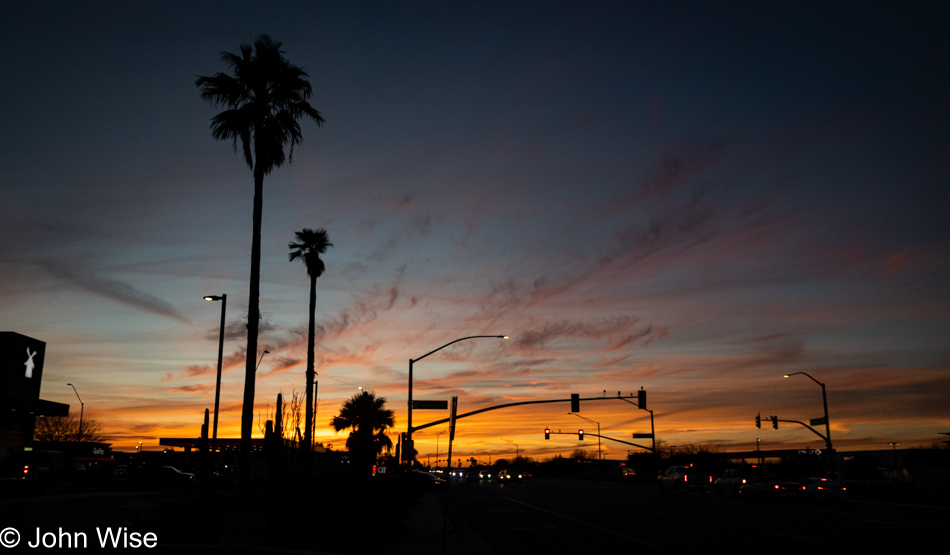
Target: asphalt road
point(562, 516)
point(534, 516)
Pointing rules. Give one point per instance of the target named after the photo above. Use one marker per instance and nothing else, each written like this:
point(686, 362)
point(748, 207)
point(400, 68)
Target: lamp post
point(438, 436)
point(518, 453)
point(894, 444)
point(217, 387)
point(412, 361)
point(824, 400)
point(260, 359)
point(81, 408)
point(599, 455)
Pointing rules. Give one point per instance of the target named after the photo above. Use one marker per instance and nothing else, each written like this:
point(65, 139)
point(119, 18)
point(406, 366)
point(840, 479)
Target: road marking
point(598, 528)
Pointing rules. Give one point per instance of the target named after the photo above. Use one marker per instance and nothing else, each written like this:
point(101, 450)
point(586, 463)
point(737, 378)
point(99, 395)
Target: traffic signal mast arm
point(822, 436)
point(506, 405)
point(603, 437)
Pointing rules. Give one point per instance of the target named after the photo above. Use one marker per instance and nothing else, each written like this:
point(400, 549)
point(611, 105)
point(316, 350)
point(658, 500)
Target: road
point(563, 516)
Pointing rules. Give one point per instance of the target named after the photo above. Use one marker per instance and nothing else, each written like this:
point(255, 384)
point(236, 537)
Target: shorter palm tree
point(309, 246)
point(367, 417)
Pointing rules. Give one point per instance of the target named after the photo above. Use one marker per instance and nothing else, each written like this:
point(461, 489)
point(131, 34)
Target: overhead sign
point(642, 436)
point(444, 404)
point(817, 421)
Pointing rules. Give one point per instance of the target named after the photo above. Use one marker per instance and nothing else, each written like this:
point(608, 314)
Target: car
point(684, 479)
point(822, 489)
point(770, 487)
point(428, 481)
point(163, 478)
point(734, 478)
point(484, 474)
point(39, 469)
point(505, 476)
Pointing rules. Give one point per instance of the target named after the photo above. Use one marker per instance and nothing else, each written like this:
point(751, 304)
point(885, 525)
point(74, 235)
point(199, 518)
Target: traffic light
point(575, 402)
point(775, 422)
point(580, 435)
point(547, 433)
point(642, 398)
point(758, 420)
point(374, 470)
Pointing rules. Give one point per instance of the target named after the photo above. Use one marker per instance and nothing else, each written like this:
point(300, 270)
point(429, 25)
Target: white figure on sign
point(29, 363)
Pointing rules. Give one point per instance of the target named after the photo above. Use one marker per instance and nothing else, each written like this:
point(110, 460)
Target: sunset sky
point(694, 199)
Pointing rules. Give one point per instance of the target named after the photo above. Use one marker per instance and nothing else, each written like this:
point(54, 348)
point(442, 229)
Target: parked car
point(822, 489)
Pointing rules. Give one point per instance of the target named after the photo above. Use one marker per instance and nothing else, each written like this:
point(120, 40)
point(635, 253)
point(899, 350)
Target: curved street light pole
point(824, 400)
point(411, 361)
point(600, 456)
point(81, 409)
point(517, 452)
point(260, 359)
point(217, 388)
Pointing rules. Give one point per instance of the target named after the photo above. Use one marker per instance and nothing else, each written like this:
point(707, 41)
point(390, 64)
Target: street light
point(824, 400)
point(438, 436)
point(81, 408)
point(411, 361)
point(260, 359)
point(894, 444)
point(217, 388)
point(599, 455)
point(517, 453)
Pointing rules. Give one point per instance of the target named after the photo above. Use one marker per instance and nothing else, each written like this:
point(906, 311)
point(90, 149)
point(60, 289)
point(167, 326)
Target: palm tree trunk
point(310, 370)
point(253, 314)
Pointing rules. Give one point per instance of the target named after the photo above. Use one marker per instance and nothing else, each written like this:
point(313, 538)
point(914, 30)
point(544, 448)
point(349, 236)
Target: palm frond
point(271, 94)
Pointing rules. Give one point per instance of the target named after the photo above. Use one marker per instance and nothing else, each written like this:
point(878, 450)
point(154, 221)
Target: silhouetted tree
point(66, 428)
point(367, 417)
point(579, 455)
point(264, 100)
point(308, 248)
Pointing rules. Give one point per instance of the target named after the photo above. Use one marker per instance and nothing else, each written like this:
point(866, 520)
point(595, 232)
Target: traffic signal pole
point(605, 437)
point(506, 405)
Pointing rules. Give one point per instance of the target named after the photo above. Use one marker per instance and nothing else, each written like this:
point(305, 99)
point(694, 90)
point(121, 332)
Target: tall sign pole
point(455, 405)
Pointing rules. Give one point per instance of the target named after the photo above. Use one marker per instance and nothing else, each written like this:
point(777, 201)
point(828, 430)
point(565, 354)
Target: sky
point(688, 198)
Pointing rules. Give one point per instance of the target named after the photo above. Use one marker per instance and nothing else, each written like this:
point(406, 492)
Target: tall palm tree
point(308, 248)
point(365, 414)
point(264, 98)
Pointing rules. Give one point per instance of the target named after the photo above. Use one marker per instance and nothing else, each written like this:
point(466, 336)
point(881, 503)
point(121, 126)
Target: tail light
point(26, 469)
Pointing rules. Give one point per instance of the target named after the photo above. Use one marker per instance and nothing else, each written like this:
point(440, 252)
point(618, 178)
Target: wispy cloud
point(112, 289)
